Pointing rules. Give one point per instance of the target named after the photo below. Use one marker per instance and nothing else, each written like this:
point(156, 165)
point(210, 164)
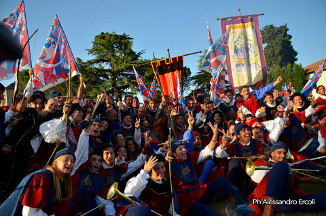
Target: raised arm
point(80, 88)
point(137, 184)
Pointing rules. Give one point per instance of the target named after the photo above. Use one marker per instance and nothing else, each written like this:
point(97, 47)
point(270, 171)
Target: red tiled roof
point(313, 67)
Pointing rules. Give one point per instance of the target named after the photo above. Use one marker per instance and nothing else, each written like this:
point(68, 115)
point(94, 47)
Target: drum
point(309, 149)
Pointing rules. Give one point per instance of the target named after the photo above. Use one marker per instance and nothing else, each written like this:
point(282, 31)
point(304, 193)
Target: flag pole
point(188, 54)
point(160, 85)
point(168, 53)
point(17, 72)
point(260, 14)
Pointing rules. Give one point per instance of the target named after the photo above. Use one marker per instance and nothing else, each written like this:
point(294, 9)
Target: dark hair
point(41, 94)
point(229, 90)
point(84, 109)
point(316, 88)
point(128, 96)
point(75, 106)
point(33, 98)
point(106, 146)
point(128, 138)
point(88, 97)
point(268, 93)
point(179, 114)
point(256, 127)
point(2, 88)
point(243, 87)
point(209, 102)
point(217, 112)
point(95, 153)
point(159, 158)
point(248, 115)
point(200, 99)
point(125, 114)
point(117, 149)
point(238, 95)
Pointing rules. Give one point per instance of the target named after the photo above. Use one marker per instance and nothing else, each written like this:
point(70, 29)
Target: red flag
point(52, 66)
point(167, 70)
point(16, 24)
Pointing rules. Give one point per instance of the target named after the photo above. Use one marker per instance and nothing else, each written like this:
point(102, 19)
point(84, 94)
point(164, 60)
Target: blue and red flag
point(286, 94)
point(143, 90)
point(214, 62)
point(16, 24)
point(152, 90)
point(52, 66)
point(181, 100)
point(313, 80)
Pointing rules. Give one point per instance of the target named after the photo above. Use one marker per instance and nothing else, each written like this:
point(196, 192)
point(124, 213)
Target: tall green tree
point(201, 80)
point(293, 73)
point(278, 46)
point(111, 66)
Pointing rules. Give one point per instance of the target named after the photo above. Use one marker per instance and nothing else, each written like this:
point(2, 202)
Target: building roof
point(313, 67)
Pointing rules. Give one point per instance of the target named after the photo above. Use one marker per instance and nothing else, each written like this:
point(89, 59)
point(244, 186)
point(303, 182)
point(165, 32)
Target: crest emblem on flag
point(52, 66)
point(16, 24)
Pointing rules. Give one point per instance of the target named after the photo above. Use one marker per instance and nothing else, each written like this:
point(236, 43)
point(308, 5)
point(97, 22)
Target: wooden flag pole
point(17, 72)
point(188, 54)
point(260, 14)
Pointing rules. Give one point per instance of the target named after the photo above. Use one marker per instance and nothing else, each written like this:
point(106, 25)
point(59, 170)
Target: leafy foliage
point(202, 79)
point(278, 50)
point(111, 67)
point(293, 73)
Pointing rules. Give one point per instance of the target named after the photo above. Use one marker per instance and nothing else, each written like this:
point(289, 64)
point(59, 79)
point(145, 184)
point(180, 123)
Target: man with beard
point(127, 108)
point(280, 184)
point(228, 105)
point(143, 116)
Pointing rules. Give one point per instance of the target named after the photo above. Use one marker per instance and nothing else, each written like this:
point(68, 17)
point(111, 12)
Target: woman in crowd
point(44, 192)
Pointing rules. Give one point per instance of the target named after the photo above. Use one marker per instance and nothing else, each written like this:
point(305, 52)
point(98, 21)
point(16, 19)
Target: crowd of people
point(61, 157)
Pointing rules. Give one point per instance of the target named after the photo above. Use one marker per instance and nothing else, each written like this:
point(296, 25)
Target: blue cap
point(238, 127)
point(97, 119)
point(64, 152)
point(175, 144)
point(278, 145)
point(54, 93)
